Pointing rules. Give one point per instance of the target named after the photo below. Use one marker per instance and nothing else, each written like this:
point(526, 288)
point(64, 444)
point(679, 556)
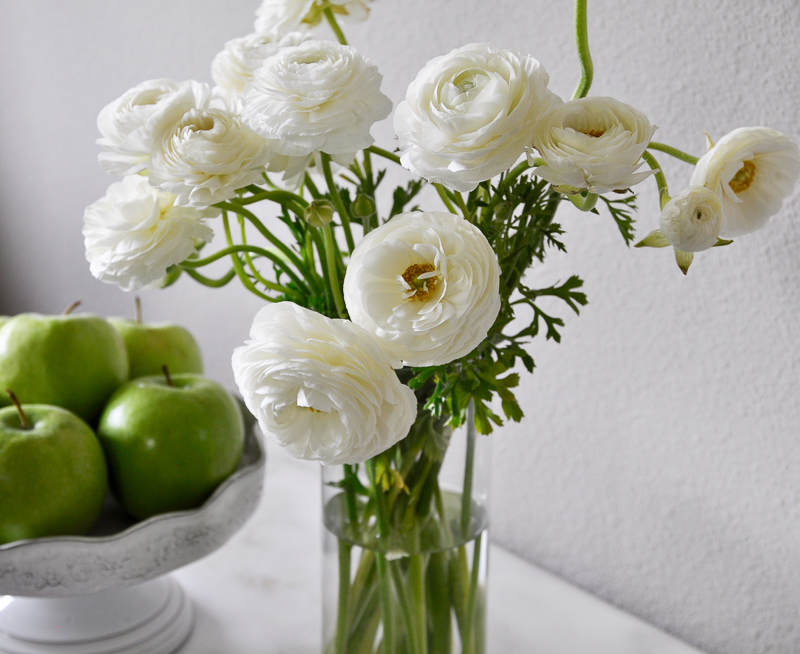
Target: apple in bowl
point(151, 346)
point(52, 473)
point(74, 361)
point(169, 441)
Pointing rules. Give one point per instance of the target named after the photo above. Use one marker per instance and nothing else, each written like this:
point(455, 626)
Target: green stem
point(334, 25)
point(442, 191)
point(584, 203)
point(673, 152)
point(472, 597)
point(208, 281)
point(384, 153)
point(343, 604)
point(290, 256)
point(291, 201)
point(384, 573)
point(661, 180)
point(337, 200)
point(237, 262)
point(350, 496)
point(331, 259)
point(417, 578)
point(582, 40)
point(254, 270)
point(232, 250)
point(469, 472)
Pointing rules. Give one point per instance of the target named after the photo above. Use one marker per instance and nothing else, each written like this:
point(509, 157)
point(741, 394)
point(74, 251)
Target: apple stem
point(138, 302)
point(22, 417)
point(71, 308)
point(166, 374)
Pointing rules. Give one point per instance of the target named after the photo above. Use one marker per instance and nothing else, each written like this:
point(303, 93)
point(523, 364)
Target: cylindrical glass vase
point(406, 546)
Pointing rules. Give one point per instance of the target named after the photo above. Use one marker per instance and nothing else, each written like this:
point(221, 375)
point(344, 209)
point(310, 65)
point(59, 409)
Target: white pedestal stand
point(151, 618)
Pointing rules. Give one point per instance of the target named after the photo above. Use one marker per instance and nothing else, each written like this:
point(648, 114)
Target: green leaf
point(621, 211)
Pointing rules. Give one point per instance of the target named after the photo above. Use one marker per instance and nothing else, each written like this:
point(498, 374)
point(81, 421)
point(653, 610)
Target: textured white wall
point(658, 464)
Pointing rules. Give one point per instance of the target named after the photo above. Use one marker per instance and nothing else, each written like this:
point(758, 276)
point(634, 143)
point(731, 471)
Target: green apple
point(75, 361)
point(52, 473)
point(169, 442)
point(151, 346)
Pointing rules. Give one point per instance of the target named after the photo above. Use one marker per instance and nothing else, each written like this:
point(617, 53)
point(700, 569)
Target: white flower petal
point(768, 165)
point(593, 143)
point(456, 298)
point(318, 96)
point(691, 221)
point(134, 233)
point(132, 125)
point(468, 114)
point(322, 389)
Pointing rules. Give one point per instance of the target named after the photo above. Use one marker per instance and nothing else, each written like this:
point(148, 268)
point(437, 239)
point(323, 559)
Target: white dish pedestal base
point(154, 617)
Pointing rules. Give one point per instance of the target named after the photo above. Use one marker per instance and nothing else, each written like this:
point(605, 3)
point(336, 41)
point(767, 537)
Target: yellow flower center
point(744, 178)
point(595, 133)
point(422, 287)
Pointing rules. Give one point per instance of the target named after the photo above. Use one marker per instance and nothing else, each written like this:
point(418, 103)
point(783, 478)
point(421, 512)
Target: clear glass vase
point(406, 546)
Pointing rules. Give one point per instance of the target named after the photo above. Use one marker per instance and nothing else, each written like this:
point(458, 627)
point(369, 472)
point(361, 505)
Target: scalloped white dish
point(120, 552)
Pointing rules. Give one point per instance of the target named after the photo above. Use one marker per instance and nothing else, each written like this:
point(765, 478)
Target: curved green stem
point(582, 40)
point(290, 256)
point(391, 156)
point(661, 180)
point(337, 200)
point(237, 263)
point(584, 203)
point(290, 200)
point(673, 152)
point(208, 281)
point(254, 271)
point(334, 25)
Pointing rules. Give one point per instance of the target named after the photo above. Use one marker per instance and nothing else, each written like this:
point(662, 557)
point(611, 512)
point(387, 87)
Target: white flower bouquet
point(393, 317)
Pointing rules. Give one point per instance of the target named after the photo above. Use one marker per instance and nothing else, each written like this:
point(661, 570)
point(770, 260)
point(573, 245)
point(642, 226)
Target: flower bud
point(691, 221)
point(319, 213)
point(363, 206)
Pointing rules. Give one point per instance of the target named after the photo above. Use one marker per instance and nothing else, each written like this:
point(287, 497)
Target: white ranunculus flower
point(319, 96)
point(132, 125)
point(427, 283)
point(323, 389)
point(206, 157)
point(233, 67)
point(593, 143)
point(691, 221)
point(468, 115)
point(135, 232)
point(278, 17)
point(752, 169)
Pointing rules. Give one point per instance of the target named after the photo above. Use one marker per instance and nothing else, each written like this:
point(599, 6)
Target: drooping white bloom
point(206, 157)
point(278, 17)
point(593, 143)
point(691, 221)
point(322, 389)
point(427, 283)
point(135, 232)
point(752, 169)
point(319, 96)
point(468, 115)
point(232, 69)
point(132, 125)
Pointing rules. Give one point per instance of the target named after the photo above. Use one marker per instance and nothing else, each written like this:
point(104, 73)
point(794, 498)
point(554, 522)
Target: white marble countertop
point(260, 593)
